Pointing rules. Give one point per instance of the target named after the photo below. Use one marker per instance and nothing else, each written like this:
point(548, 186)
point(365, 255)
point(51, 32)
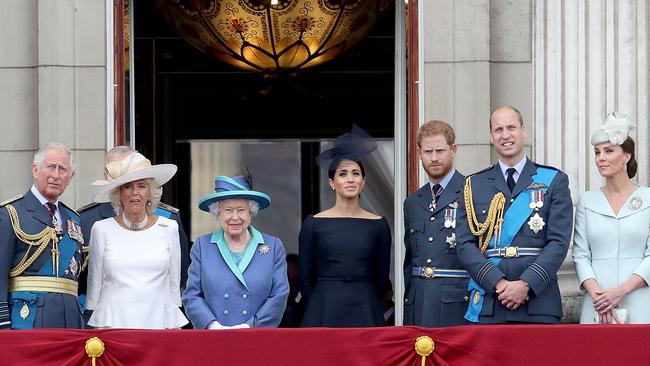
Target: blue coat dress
point(438, 301)
point(609, 247)
point(255, 292)
point(545, 304)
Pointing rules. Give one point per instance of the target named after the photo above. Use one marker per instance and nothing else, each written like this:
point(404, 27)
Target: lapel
point(496, 179)
point(525, 178)
point(256, 239)
point(36, 209)
point(450, 193)
point(218, 239)
point(424, 196)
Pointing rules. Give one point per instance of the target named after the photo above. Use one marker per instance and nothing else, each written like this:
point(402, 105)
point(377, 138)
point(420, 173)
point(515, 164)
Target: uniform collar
point(519, 167)
point(445, 180)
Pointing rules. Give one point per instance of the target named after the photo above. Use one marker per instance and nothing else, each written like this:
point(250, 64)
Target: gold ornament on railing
point(94, 348)
point(424, 346)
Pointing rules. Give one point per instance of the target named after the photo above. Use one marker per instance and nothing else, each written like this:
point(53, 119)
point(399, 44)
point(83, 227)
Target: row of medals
point(450, 220)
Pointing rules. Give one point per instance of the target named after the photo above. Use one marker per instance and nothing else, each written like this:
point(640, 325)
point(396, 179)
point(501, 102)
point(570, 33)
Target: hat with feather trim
point(615, 129)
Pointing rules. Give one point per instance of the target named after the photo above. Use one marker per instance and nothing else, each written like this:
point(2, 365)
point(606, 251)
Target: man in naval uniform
point(42, 250)
point(436, 283)
point(515, 231)
point(94, 212)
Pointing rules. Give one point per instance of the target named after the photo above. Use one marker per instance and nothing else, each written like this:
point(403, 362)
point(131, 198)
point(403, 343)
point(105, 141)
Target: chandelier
point(273, 35)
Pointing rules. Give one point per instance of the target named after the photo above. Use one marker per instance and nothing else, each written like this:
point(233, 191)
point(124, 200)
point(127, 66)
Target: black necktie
point(511, 178)
point(437, 191)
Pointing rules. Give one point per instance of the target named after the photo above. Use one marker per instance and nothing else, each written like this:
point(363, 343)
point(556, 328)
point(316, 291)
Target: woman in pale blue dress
point(611, 247)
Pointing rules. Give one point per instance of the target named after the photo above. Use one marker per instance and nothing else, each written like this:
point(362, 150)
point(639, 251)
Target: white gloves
point(216, 325)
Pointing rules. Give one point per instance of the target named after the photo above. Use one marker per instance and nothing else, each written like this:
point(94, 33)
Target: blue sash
point(163, 213)
point(513, 219)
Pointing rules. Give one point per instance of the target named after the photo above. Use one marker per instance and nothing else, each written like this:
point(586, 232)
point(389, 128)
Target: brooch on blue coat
point(636, 202)
point(264, 249)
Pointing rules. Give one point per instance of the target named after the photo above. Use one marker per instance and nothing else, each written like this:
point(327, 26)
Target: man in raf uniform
point(516, 231)
point(435, 281)
point(94, 212)
point(42, 251)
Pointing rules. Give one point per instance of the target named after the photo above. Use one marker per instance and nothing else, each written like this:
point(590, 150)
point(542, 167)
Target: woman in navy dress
point(344, 250)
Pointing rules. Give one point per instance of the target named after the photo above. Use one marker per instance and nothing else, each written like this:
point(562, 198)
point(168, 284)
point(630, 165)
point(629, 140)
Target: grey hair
point(214, 207)
point(40, 154)
point(118, 153)
point(152, 204)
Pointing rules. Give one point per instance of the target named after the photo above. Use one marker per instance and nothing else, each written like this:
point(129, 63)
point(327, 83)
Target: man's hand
point(512, 293)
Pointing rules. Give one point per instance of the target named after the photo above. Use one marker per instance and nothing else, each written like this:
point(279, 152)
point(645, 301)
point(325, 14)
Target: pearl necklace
point(136, 226)
point(239, 248)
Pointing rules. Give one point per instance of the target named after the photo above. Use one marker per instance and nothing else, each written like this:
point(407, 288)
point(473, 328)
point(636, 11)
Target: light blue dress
point(611, 247)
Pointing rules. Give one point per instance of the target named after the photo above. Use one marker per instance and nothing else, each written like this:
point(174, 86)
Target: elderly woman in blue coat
point(238, 275)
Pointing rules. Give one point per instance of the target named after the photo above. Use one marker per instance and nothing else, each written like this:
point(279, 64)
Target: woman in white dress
point(134, 266)
point(611, 247)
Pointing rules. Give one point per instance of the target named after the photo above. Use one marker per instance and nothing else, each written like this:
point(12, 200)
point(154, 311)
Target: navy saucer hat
point(235, 187)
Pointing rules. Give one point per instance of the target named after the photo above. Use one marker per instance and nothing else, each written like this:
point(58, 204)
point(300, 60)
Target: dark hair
point(521, 119)
point(628, 148)
point(334, 164)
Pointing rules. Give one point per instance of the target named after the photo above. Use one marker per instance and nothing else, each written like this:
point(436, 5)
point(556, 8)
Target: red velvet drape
point(526, 345)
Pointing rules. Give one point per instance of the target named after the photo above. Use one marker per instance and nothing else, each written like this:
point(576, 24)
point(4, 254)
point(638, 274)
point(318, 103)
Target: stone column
point(590, 58)
point(54, 66)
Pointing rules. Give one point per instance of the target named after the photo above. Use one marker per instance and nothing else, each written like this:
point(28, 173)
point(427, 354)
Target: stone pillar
point(590, 59)
point(54, 64)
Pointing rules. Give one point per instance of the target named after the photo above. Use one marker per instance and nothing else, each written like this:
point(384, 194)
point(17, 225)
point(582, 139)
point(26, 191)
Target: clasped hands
point(605, 302)
point(512, 294)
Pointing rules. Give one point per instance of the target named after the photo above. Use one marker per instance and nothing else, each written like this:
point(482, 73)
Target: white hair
point(118, 153)
point(40, 154)
point(214, 207)
point(152, 203)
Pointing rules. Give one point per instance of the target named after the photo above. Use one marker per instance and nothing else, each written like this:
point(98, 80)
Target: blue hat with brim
point(233, 188)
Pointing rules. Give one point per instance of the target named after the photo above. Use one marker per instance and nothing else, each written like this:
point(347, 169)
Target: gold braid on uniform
point(39, 240)
point(493, 221)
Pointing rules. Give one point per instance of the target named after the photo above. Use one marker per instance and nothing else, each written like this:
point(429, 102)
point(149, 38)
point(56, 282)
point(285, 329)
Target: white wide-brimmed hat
point(615, 129)
point(131, 168)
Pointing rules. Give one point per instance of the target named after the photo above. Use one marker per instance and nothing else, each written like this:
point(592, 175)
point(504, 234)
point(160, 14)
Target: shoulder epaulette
point(167, 207)
point(481, 171)
point(12, 199)
point(546, 166)
point(66, 206)
point(87, 207)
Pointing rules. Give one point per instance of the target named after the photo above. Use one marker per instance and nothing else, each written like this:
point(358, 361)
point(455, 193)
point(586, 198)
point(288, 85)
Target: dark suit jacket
point(432, 302)
point(95, 212)
point(545, 304)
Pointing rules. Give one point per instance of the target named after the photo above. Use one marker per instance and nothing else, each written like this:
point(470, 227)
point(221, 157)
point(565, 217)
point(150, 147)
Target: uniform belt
point(433, 272)
point(512, 252)
point(43, 284)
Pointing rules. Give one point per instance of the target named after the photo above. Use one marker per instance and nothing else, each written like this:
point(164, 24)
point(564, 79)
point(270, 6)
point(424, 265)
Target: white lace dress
point(134, 276)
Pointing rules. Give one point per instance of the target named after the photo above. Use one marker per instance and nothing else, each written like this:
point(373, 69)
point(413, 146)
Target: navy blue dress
point(344, 263)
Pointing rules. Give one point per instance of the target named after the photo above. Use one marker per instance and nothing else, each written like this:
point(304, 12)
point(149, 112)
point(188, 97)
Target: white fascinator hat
point(615, 129)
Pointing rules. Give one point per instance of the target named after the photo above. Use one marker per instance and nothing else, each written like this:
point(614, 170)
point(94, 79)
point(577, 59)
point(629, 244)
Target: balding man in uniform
point(514, 231)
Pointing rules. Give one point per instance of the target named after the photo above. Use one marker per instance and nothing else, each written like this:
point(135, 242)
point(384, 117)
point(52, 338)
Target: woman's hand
point(608, 299)
point(609, 317)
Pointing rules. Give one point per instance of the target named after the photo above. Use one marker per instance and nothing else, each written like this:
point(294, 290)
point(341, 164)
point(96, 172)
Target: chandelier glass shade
point(273, 35)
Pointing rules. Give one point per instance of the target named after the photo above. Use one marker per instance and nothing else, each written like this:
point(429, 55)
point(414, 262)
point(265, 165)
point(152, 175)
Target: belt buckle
point(512, 252)
point(428, 272)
